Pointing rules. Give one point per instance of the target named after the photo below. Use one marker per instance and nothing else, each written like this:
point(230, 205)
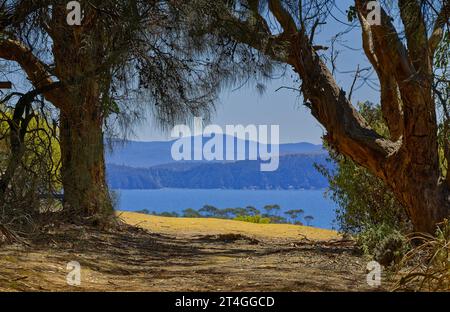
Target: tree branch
point(347, 130)
point(385, 35)
point(439, 25)
point(256, 34)
point(12, 50)
point(416, 35)
point(391, 103)
point(414, 86)
point(283, 17)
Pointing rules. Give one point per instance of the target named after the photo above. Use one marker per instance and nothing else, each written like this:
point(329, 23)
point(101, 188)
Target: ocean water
point(312, 202)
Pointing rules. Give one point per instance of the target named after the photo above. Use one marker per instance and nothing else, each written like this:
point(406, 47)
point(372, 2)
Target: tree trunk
point(86, 193)
point(427, 204)
point(78, 54)
point(422, 192)
point(410, 168)
point(79, 58)
point(407, 161)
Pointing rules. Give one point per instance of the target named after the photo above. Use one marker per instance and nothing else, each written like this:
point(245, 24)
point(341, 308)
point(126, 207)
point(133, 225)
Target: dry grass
point(201, 226)
point(185, 255)
point(427, 266)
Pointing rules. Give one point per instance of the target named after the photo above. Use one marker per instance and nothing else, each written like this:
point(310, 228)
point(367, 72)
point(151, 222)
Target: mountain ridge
point(140, 154)
point(295, 172)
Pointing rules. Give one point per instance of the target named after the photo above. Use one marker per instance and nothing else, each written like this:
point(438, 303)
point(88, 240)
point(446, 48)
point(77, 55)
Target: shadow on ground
point(132, 259)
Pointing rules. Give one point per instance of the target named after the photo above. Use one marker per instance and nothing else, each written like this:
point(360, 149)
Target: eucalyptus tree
point(400, 40)
point(123, 57)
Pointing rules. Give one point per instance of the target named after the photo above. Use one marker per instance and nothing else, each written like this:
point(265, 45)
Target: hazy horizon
point(167, 140)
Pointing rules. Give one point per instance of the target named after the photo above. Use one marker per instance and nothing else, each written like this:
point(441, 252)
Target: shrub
point(253, 219)
point(169, 214)
point(364, 201)
point(391, 249)
point(385, 243)
point(191, 213)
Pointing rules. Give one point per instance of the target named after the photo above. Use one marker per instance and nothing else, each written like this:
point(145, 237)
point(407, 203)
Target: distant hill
point(149, 154)
point(296, 171)
point(139, 154)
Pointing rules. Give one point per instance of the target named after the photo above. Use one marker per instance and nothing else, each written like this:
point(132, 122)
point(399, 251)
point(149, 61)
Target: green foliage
point(384, 242)
point(169, 214)
point(308, 220)
point(271, 208)
point(366, 205)
point(29, 167)
point(40, 141)
point(248, 214)
point(191, 213)
point(209, 211)
point(252, 211)
point(238, 212)
point(276, 219)
point(163, 214)
point(363, 200)
point(253, 219)
point(295, 214)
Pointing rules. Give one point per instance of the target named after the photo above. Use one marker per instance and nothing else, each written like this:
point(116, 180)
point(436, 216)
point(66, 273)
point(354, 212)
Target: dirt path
point(194, 258)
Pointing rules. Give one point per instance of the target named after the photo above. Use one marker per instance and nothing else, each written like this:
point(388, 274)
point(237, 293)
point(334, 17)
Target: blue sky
point(283, 107)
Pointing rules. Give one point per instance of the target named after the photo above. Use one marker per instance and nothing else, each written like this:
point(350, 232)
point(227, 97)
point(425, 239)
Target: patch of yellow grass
point(203, 226)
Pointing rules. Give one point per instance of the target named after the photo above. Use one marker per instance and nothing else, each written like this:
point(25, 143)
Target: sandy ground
point(168, 254)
